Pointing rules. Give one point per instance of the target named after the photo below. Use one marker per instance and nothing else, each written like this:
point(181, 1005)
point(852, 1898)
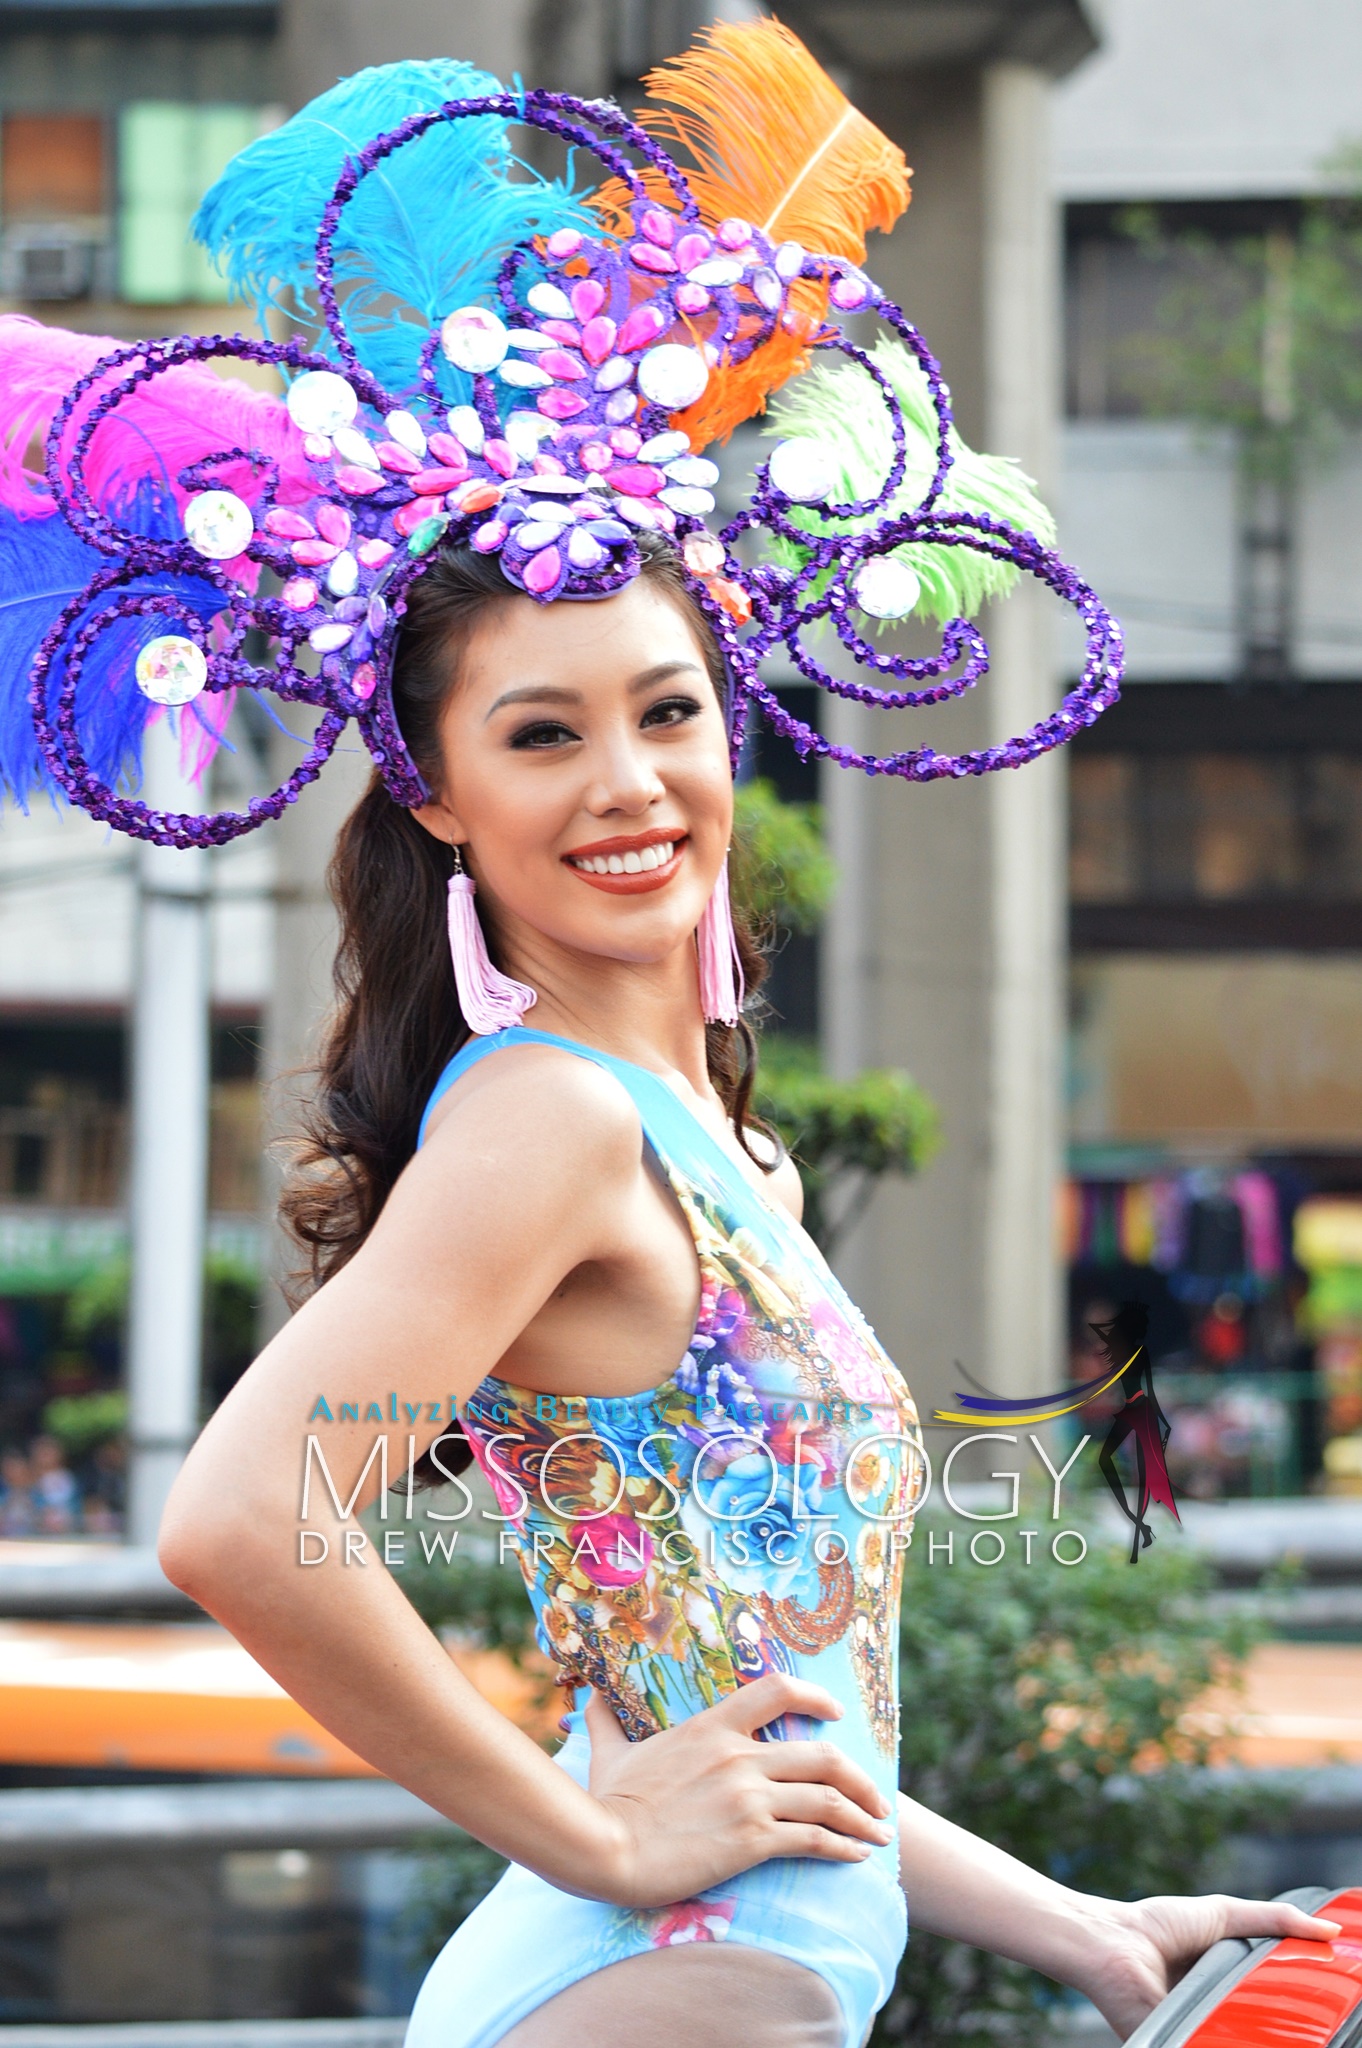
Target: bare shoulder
point(536, 1103)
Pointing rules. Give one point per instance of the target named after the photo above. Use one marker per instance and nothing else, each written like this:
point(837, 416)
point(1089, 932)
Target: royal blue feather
point(425, 233)
point(42, 567)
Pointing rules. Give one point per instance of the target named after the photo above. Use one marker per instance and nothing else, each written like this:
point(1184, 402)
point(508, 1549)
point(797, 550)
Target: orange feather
point(761, 132)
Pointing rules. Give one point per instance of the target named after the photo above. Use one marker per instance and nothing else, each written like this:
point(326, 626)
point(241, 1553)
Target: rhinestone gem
point(524, 431)
point(587, 298)
point(613, 374)
point(374, 553)
point(490, 535)
point(607, 530)
point(673, 375)
point(218, 525)
point(563, 242)
point(596, 456)
point(524, 376)
point(656, 226)
point(334, 524)
point(666, 447)
point(638, 511)
point(319, 401)
point(427, 534)
point(343, 575)
point(377, 615)
point(543, 570)
point(329, 638)
point(691, 298)
point(465, 424)
point(644, 256)
point(885, 588)
point(687, 498)
point(365, 680)
point(299, 593)
point(620, 406)
point(537, 533)
point(849, 292)
point(547, 299)
point(288, 525)
point(692, 469)
point(733, 233)
point(643, 325)
point(767, 289)
point(715, 272)
point(316, 447)
point(473, 340)
point(404, 428)
point(561, 363)
point(171, 670)
point(789, 260)
point(692, 249)
point(529, 340)
point(559, 404)
point(598, 338)
point(357, 482)
point(702, 554)
point(802, 471)
point(352, 446)
point(583, 551)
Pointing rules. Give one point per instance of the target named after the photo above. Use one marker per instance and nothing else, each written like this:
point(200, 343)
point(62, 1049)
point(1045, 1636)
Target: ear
point(440, 822)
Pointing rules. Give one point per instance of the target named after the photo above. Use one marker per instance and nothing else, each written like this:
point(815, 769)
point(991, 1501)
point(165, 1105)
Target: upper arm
point(521, 1182)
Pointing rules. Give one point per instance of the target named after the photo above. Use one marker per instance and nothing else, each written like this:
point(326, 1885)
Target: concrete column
point(1021, 1275)
point(169, 1193)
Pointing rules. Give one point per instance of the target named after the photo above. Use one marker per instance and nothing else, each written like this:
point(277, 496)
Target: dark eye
point(671, 711)
point(546, 732)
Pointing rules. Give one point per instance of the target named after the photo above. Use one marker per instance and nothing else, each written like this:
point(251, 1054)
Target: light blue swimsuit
point(748, 1515)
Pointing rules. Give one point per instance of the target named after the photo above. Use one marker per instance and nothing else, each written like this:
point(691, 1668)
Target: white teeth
point(614, 865)
point(633, 864)
point(598, 864)
point(648, 858)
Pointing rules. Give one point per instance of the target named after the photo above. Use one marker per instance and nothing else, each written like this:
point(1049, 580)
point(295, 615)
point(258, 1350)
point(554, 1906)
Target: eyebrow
point(554, 693)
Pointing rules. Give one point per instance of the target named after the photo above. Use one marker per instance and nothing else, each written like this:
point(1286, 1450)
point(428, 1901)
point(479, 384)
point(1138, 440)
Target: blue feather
point(42, 567)
point(425, 233)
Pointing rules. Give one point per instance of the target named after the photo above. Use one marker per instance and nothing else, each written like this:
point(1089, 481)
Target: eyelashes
point(543, 735)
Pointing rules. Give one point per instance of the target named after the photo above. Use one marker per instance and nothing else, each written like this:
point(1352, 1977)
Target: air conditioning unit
point(47, 262)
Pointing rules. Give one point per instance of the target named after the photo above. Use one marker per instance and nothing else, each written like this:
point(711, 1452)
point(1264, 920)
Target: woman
point(535, 1223)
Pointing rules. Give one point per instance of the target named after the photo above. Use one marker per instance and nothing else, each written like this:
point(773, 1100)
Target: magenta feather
point(163, 427)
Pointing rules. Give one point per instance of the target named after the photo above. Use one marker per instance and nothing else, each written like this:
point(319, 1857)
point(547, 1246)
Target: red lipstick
point(641, 861)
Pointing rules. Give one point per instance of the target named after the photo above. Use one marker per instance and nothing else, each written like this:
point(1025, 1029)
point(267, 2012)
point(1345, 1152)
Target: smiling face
point(585, 775)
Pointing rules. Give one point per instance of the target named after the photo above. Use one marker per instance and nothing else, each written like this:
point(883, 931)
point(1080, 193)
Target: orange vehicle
point(1271, 1994)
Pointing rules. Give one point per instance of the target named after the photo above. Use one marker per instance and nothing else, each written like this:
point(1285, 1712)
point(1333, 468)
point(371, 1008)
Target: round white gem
point(665, 447)
point(715, 270)
point(343, 575)
point(687, 498)
point(672, 375)
point(171, 670)
point(319, 401)
point(404, 428)
point(330, 638)
point(465, 425)
point(548, 300)
point(789, 260)
point(885, 588)
point(473, 339)
point(537, 533)
point(693, 469)
point(529, 340)
point(354, 447)
point(524, 376)
point(802, 471)
point(217, 524)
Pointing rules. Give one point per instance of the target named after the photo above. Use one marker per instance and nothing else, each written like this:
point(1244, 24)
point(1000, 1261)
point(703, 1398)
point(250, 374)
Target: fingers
point(766, 1699)
point(603, 1722)
point(831, 1812)
point(823, 1763)
point(1248, 1917)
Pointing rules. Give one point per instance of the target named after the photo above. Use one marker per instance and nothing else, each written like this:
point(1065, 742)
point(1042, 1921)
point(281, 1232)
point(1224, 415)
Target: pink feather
point(186, 413)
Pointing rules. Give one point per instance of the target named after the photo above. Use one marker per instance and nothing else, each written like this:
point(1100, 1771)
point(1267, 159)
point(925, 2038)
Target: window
point(52, 167)
point(168, 156)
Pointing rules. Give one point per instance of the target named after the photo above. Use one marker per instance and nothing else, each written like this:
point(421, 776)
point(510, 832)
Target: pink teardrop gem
point(692, 249)
point(374, 553)
point(691, 298)
point(558, 404)
point(558, 362)
point(563, 242)
point(288, 525)
point(644, 324)
point(657, 227)
point(561, 331)
point(312, 553)
point(598, 338)
point(448, 452)
point(647, 256)
point(333, 524)
point(498, 456)
point(394, 457)
point(587, 298)
point(543, 570)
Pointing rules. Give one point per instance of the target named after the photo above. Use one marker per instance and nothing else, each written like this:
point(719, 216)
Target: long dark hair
point(397, 1021)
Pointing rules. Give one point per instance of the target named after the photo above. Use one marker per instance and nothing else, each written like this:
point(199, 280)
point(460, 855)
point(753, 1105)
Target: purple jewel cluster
point(565, 455)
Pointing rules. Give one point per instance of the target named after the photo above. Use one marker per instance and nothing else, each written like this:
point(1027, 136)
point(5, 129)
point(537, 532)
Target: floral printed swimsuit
point(748, 1515)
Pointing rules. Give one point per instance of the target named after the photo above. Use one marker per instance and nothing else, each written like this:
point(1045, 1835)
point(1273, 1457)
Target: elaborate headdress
point(484, 356)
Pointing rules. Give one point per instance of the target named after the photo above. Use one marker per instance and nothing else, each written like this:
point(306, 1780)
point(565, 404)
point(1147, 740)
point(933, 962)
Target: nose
point(625, 780)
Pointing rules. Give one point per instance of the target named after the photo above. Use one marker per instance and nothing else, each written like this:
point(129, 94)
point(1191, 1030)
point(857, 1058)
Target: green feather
point(836, 405)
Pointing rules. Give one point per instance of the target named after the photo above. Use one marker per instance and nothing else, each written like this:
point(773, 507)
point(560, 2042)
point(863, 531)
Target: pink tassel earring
point(721, 976)
point(490, 1000)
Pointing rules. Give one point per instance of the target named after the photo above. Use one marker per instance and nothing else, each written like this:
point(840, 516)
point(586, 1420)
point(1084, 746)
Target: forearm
point(964, 1888)
point(350, 1649)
